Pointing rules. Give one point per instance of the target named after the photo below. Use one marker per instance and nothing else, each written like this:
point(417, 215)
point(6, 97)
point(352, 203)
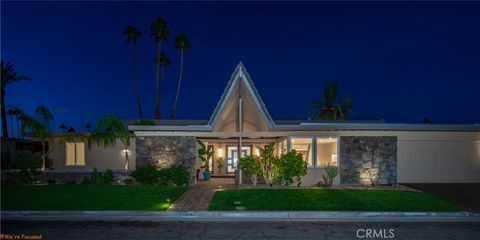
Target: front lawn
point(328, 200)
point(89, 197)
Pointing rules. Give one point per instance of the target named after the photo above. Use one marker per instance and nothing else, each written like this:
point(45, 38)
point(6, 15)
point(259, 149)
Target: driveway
point(465, 195)
point(243, 230)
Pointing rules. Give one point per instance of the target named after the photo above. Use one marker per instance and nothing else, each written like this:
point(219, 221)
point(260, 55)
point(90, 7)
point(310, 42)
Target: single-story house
point(366, 151)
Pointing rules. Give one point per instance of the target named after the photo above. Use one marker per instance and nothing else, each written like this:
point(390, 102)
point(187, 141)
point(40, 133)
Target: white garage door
point(438, 161)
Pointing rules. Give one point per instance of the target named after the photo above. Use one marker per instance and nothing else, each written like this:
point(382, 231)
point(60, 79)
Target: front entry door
point(232, 157)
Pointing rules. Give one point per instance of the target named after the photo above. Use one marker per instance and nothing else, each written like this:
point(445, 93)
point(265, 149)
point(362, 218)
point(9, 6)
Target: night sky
point(400, 62)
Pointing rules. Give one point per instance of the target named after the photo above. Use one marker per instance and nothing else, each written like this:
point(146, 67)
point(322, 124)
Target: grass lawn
point(328, 200)
point(89, 197)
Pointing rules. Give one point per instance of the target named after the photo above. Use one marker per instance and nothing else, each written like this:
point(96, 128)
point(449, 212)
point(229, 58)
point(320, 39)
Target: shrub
point(128, 181)
point(251, 166)
point(268, 162)
point(51, 181)
point(26, 176)
point(331, 171)
point(145, 175)
point(27, 161)
point(291, 168)
point(173, 175)
point(99, 178)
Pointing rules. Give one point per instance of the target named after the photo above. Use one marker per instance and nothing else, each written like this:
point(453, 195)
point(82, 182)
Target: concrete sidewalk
point(237, 216)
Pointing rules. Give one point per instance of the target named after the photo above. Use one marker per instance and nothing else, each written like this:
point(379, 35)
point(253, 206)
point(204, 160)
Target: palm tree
point(11, 112)
point(132, 35)
point(164, 61)
point(88, 127)
point(159, 30)
point(39, 127)
point(18, 115)
point(182, 44)
point(64, 127)
point(8, 76)
point(331, 106)
point(109, 129)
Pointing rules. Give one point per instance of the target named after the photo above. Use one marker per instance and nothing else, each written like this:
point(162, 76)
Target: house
point(367, 152)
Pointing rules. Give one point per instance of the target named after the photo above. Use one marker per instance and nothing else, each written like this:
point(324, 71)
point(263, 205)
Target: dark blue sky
point(400, 62)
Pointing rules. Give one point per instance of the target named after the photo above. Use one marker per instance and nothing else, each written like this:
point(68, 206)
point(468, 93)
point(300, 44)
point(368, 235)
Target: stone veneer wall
point(368, 160)
point(163, 152)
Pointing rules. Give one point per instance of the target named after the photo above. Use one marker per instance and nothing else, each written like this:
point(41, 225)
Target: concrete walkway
point(199, 196)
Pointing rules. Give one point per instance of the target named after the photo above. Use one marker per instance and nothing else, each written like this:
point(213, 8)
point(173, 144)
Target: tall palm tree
point(183, 45)
point(132, 35)
point(11, 113)
point(164, 61)
point(159, 30)
point(331, 106)
point(18, 112)
point(88, 127)
point(64, 127)
point(109, 129)
point(8, 76)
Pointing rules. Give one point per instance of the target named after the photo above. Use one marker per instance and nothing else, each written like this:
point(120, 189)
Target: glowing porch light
point(125, 151)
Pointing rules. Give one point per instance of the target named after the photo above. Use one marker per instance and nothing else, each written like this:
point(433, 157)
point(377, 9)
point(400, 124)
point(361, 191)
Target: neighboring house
point(367, 152)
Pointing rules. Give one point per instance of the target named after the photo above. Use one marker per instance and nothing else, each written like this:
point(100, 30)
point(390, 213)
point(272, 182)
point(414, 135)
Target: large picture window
point(304, 145)
point(75, 153)
point(326, 151)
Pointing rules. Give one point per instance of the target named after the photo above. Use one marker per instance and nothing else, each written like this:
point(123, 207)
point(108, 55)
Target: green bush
point(251, 166)
point(145, 175)
point(99, 178)
point(26, 176)
point(27, 161)
point(174, 175)
point(291, 168)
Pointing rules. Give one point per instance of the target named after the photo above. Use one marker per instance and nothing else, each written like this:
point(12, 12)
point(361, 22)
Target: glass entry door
point(232, 157)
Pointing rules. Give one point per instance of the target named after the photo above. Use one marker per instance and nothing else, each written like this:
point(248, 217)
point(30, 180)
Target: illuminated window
point(75, 153)
point(303, 145)
point(326, 151)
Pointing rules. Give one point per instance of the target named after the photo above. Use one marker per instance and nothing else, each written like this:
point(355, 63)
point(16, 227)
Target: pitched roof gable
point(240, 74)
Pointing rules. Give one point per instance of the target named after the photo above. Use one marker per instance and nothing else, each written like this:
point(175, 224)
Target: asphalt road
point(242, 230)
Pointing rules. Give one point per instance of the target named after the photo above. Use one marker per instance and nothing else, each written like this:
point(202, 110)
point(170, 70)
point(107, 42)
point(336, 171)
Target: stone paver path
point(199, 196)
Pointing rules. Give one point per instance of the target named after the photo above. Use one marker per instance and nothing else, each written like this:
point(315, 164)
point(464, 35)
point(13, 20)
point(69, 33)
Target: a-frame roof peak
point(240, 74)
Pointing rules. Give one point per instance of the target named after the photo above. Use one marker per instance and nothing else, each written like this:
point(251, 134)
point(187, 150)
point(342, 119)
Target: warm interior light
point(220, 152)
point(257, 151)
point(334, 158)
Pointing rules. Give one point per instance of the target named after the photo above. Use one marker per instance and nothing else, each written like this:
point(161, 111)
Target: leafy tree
point(291, 168)
point(331, 106)
point(205, 153)
point(159, 30)
point(182, 44)
point(133, 35)
point(251, 166)
point(108, 130)
point(8, 76)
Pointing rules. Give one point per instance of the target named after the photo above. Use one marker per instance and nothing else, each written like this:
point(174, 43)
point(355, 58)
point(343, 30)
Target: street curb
point(237, 216)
